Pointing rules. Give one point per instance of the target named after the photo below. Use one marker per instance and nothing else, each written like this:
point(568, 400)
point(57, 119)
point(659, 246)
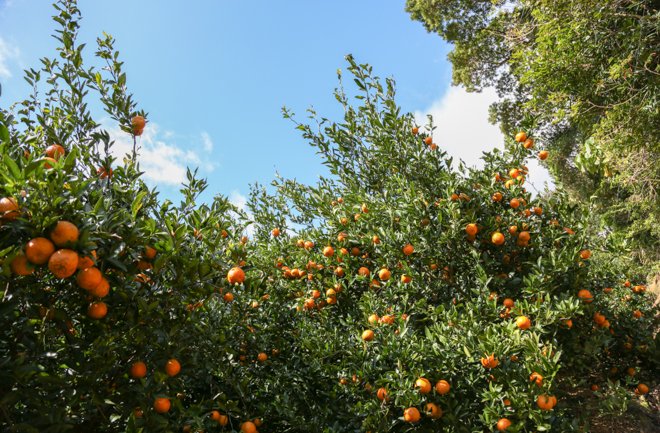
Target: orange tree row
point(415, 295)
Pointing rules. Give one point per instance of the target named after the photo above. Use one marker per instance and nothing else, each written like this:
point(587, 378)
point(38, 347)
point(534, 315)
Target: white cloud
point(463, 130)
point(8, 52)
point(208, 144)
point(238, 199)
point(163, 163)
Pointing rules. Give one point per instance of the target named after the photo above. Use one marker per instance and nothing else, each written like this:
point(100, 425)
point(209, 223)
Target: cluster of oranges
point(63, 262)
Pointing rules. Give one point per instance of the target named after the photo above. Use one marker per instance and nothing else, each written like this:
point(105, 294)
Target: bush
point(349, 298)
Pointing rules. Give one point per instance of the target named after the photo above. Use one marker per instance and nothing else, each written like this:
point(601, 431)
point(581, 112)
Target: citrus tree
point(403, 293)
point(432, 296)
point(103, 285)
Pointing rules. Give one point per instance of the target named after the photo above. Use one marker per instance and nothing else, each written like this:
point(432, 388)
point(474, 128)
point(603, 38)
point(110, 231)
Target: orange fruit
point(415, 130)
point(411, 414)
point(228, 297)
point(19, 265)
point(104, 172)
point(368, 335)
point(497, 238)
point(585, 254)
point(373, 319)
point(64, 232)
point(162, 405)
point(149, 253)
point(8, 209)
point(408, 250)
point(328, 251)
point(138, 413)
point(536, 378)
point(276, 232)
point(143, 265)
point(524, 236)
point(223, 420)
point(55, 151)
point(442, 387)
point(497, 197)
point(503, 424)
point(248, 427)
point(339, 271)
point(508, 303)
point(538, 210)
point(172, 367)
point(406, 278)
point(523, 322)
point(309, 304)
point(257, 422)
point(63, 263)
point(47, 165)
point(215, 415)
point(384, 274)
point(424, 385)
point(39, 250)
point(89, 278)
point(521, 137)
point(86, 262)
point(528, 144)
point(428, 140)
point(544, 402)
point(97, 310)
point(138, 123)
point(364, 272)
point(433, 411)
point(101, 290)
point(514, 203)
point(642, 389)
point(543, 155)
point(507, 402)
point(236, 275)
point(382, 394)
point(471, 229)
point(631, 371)
point(585, 295)
point(138, 370)
point(490, 361)
point(262, 357)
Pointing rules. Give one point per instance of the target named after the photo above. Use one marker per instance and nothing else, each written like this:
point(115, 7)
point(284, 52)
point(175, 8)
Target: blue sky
point(214, 75)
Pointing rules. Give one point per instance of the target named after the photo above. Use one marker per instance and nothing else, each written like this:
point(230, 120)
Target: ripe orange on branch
point(63, 263)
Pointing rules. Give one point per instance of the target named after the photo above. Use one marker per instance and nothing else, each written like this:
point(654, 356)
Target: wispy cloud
point(208, 144)
point(163, 162)
point(463, 130)
point(8, 53)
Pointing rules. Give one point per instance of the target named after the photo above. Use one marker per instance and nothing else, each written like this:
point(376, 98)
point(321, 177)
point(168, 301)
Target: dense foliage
point(588, 74)
point(403, 293)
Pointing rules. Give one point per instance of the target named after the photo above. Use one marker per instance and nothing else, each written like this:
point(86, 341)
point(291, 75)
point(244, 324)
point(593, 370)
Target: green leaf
point(4, 133)
point(137, 203)
point(13, 168)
